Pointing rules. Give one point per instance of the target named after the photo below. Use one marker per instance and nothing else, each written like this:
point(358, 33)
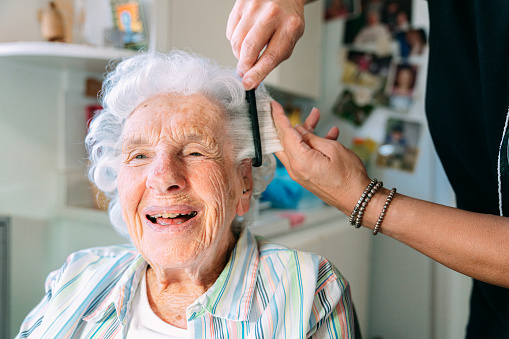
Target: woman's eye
point(140, 156)
point(196, 154)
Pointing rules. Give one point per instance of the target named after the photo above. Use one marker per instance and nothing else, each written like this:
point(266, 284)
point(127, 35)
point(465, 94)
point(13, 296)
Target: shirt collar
point(231, 295)
point(121, 295)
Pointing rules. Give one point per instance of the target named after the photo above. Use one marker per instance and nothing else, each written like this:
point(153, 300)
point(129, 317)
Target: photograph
point(340, 8)
point(347, 107)
point(402, 86)
point(128, 18)
point(365, 69)
point(378, 21)
point(399, 149)
point(412, 42)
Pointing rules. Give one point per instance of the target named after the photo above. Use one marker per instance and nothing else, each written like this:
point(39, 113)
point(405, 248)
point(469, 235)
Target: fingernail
point(248, 83)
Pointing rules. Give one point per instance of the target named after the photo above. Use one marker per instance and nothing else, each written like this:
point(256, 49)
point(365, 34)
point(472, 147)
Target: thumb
point(288, 135)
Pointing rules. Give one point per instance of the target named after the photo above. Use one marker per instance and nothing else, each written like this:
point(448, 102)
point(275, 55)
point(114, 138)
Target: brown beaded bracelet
point(384, 211)
point(361, 199)
point(371, 193)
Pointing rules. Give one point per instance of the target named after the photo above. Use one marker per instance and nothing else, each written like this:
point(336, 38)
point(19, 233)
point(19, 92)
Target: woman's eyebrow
point(132, 142)
point(136, 141)
point(199, 137)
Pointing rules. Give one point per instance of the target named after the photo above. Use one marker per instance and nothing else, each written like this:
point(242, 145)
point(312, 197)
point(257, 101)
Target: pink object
point(296, 218)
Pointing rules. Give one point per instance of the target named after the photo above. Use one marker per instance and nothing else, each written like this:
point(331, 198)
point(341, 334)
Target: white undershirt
point(145, 323)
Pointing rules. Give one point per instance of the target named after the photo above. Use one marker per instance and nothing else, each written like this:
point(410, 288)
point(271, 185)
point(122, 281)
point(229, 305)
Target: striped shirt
point(264, 291)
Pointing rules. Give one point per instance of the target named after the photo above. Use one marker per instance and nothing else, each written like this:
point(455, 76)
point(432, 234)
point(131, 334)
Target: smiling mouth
point(169, 219)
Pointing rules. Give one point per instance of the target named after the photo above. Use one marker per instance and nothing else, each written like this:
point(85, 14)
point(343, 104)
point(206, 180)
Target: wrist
point(350, 194)
point(376, 206)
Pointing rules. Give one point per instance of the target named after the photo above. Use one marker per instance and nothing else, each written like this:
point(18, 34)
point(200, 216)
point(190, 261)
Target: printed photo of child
point(402, 88)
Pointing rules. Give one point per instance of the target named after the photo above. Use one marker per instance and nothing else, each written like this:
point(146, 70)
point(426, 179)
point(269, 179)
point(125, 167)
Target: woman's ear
point(246, 175)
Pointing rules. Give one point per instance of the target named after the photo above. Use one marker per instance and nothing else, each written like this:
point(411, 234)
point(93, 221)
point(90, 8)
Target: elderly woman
point(172, 148)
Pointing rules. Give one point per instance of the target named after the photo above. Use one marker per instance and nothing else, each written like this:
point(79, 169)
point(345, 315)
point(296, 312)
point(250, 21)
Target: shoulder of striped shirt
point(105, 252)
point(105, 256)
point(266, 248)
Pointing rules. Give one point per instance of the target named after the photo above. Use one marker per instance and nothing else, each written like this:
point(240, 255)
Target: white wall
point(22, 26)
point(29, 139)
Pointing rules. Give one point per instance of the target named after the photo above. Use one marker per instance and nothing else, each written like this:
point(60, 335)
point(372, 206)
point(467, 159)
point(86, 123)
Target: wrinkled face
point(179, 186)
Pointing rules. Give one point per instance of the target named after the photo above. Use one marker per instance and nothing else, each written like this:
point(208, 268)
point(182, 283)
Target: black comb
point(253, 114)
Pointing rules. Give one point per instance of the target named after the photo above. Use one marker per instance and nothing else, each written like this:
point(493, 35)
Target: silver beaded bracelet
point(361, 199)
point(384, 211)
point(371, 193)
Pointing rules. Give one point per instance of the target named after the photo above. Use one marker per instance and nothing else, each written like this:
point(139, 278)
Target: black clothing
point(467, 100)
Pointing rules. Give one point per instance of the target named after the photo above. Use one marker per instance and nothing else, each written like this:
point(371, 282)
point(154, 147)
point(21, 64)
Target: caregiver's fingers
point(233, 19)
point(322, 146)
point(277, 51)
point(254, 24)
point(250, 62)
point(333, 133)
point(312, 120)
point(287, 134)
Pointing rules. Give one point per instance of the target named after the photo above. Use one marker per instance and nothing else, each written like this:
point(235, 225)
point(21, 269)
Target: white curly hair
point(148, 74)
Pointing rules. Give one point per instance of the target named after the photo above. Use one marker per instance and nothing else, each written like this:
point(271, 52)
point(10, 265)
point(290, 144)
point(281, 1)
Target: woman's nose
point(166, 176)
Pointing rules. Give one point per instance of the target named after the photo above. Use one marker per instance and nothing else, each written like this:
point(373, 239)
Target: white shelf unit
point(62, 55)
point(74, 63)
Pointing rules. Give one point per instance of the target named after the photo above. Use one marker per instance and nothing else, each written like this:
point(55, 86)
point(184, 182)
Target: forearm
point(471, 243)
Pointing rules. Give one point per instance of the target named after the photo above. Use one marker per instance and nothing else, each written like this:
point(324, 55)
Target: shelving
point(62, 55)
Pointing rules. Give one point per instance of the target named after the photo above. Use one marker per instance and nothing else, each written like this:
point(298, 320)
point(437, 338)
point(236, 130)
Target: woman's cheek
point(130, 191)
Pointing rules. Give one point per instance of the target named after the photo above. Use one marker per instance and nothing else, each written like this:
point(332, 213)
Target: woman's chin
point(172, 254)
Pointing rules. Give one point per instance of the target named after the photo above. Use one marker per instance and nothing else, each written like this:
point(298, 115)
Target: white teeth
point(166, 215)
point(171, 215)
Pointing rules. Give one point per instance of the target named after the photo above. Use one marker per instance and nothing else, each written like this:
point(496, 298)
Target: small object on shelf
point(113, 37)
point(52, 24)
point(92, 88)
point(129, 19)
point(66, 10)
point(90, 112)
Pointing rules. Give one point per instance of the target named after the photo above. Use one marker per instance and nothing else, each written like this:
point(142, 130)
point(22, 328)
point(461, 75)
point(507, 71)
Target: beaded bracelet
point(365, 203)
point(384, 211)
point(361, 199)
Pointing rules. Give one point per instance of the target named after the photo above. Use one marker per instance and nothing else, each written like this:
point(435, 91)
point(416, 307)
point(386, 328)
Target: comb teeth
point(253, 115)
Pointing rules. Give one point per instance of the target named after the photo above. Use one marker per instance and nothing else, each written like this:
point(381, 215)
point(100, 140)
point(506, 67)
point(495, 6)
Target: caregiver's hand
point(321, 165)
point(254, 24)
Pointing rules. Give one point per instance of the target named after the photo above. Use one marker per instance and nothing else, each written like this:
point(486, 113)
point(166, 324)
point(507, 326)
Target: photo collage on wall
point(380, 60)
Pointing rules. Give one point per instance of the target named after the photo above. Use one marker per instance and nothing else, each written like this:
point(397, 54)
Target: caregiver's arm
point(254, 24)
point(471, 243)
